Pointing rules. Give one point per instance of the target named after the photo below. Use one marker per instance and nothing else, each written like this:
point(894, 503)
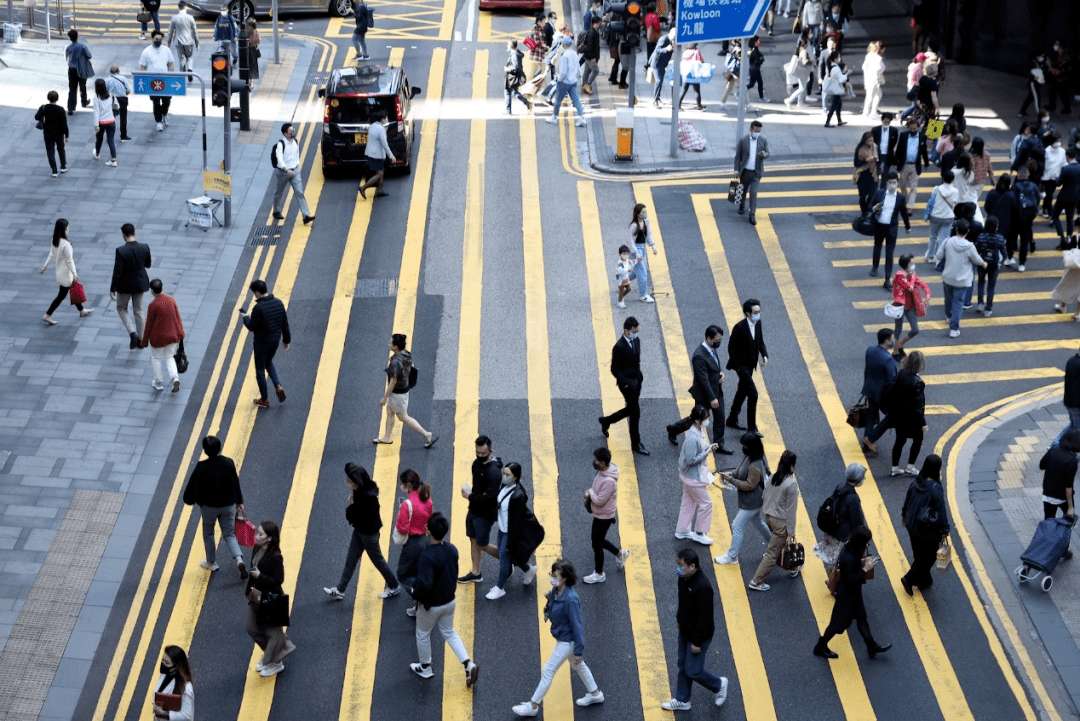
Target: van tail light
point(397, 107)
point(326, 117)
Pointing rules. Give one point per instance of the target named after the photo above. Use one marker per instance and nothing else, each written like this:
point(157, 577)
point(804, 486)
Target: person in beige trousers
point(779, 504)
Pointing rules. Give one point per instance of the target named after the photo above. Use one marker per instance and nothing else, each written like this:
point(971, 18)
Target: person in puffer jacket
point(601, 500)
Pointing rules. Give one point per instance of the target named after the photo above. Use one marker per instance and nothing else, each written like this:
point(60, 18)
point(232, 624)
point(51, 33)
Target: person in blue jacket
point(563, 609)
point(879, 372)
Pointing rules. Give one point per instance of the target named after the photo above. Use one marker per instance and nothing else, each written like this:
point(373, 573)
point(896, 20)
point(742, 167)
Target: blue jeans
point(157, 24)
point(505, 566)
point(971, 288)
point(561, 92)
point(510, 95)
point(738, 527)
point(264, 363)
point(939, 233)
point(359, 42)
point(954, 304)
point(1074, 417)
point(641, 270)
point(692, 668)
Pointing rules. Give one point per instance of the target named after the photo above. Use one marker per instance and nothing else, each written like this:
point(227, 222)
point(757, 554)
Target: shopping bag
point(735, 191)
point(245, 531)
point(650, 75)
point(77, 293)
point(689, 137)
point(944, 555)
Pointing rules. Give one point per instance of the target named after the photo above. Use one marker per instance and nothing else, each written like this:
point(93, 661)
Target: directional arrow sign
point(706, 20)
point(153, 85)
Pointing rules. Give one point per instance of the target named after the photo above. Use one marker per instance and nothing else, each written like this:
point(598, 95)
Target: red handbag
point(245, 531)
point(530, 43)
point(77, 293)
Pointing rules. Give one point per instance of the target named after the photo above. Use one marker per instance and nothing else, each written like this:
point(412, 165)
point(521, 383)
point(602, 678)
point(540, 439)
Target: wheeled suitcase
point(1050, 543)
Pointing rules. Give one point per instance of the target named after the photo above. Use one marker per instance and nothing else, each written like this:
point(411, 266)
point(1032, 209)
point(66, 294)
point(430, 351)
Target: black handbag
point(864, 224)
point(273, 610)
point(181, 358)
point(792, 555)
point(928, 522)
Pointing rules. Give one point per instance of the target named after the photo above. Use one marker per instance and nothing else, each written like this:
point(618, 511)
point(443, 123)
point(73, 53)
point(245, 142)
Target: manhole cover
point(376, 288)
point(318, 77)
point(266, 235)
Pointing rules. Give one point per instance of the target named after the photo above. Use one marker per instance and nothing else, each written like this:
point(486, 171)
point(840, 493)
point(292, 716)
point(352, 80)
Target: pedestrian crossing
point(705, 266)
point(115, 20)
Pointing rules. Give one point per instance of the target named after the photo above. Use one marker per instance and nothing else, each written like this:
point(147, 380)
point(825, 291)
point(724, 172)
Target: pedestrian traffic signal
point(220, 79)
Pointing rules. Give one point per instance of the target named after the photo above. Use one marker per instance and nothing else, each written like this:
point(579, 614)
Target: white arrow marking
point(755, 17)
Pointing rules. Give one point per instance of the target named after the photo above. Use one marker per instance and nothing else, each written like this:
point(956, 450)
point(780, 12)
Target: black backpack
point(582, 42)
point(828, 518)
point(1028, 199)
point(273, 156)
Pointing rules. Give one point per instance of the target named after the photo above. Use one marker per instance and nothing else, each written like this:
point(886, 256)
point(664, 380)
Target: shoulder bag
point(245, 530)
point(399, 538)
point(40, 117)
point(894, 310)
point(856, 417)
point(273, 610)
point(1071, 258)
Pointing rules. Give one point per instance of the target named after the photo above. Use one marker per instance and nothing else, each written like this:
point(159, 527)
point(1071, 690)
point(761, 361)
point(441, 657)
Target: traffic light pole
point(227, 162)
point(676, 56)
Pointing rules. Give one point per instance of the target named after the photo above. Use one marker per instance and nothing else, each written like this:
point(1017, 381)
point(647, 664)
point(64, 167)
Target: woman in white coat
point(66, 274)
point(873, 72)
point(175, 680)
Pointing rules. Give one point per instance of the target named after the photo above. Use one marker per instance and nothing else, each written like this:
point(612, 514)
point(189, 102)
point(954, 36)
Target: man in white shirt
point(286, 161)
point(182, 29)
point(568, 75)
point(889, 206)
point(157, 58)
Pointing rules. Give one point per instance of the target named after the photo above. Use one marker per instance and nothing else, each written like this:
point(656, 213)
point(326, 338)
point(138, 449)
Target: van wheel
point(241, 10)
point(341, 8)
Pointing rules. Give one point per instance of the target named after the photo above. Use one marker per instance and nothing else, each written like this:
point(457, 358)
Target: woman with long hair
point(104, 121)
point(980, 163)
point(926, 530)
point(910, 291)
point(362, 513)
point(696, 479)
point(519, 532)
point(413, 514)
point(966, 187)
point(907, 414)
point(267, 575)
point(779, 503)
point(748, 479)
point(853, 565)
point(833, 89)
point(175, 679)
point(641, 236)
point(66, 274)
point(866, 169)
point(1068, 288)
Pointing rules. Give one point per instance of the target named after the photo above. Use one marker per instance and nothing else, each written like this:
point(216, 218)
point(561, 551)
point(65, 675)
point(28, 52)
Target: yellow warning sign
point(934, 128)
point(217, 182)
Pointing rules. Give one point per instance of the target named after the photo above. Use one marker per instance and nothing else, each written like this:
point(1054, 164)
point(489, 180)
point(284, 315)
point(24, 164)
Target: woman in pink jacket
point(601, 502)
point(412, 521)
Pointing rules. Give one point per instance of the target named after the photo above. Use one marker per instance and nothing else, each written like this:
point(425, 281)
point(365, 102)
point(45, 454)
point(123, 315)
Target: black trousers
point(902, 436)
point(123, 102)
point(76, 85)
point(683, 424)
point(1070, 211)
point(1024, 236)
point(161, 106)
point(600, 543)
point(923, 558)
point(55, 144)
point(884, 234)
point(747, 391)
point(631, 411)
point(59, 299)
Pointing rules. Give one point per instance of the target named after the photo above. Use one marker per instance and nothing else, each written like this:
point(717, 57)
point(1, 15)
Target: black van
point(352, 98)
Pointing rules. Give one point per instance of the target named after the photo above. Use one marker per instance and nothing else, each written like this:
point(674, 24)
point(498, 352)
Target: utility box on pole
point(624, 133)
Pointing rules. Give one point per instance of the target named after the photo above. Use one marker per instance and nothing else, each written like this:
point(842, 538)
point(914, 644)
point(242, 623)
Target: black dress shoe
point(753, 220)
point(887, 285)
point(725, 451)
point(641, 450)
point(742, 209)
point(603, 426)
point(279, 216)
point(876, 648)
point(822, 649)
point(134, 342)
point(907, 585)
point(873, 272)
point(671, 436)
point(735, 425)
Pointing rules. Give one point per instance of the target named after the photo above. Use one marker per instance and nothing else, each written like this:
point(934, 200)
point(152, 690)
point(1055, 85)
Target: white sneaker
point(787, 102)
point(721, 695)
point(530, 575)
point(1011, 261)
point(422, 671)
point(987, 313)
point(110, 164)
point(726, 560)
point(259, 666)
point(208, 566)
point(156, 385)
point(590, 698)
point(675, 705)
point(580, 122)
point(620, 304)
point(979, 308)
point(334, 593)
point(551, 120)
point(525, 709)
point(1020, 268)
point(495, 594)
point(272, 669)
point(165, 119)
point(595, 577)
point(684, 535)
point(620, 560)
point(411, 611)
point(390, 593)
point(647, 299)
point(954, 334)
point(702, 539)
point(160, 127)
point(97, 155)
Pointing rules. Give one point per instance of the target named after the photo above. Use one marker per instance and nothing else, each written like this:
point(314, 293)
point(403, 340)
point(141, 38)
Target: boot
point(822, 649)
point(622, 80)
point(874, 648)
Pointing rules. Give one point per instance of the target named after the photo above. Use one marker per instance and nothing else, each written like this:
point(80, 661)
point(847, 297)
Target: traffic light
point(220, 79)
point(626, 22)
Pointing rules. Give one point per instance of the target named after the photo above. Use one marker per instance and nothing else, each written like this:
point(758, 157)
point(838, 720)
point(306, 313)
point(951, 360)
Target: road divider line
point(974, 321)
point(1020, 346)
point(934, 280)
point(938, 300)
point(1016, 374)
point(940, 410)
point(652, 666)
point(850, 685)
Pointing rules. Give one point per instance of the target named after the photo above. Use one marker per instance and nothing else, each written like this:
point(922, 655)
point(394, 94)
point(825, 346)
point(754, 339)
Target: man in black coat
point(1068, 197)
point(707, 390)
point(214, 487)
point(626, 367)
point(911, 158)
point(696, 628)
point(746, 346)
point(889, 206)
point(885, 138)
point(130, 281)
point(879, 372)
point(269, 323)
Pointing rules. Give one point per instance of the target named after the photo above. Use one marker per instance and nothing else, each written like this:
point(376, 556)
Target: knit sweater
point(163, 323)
point(604, 492)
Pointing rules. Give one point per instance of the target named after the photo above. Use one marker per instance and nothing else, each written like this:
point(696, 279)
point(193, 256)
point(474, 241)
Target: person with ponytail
point(413, 515)
point(779, 502)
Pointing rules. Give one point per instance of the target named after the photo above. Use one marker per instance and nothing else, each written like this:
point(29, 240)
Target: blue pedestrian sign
point(706, 20)
point(163, 85)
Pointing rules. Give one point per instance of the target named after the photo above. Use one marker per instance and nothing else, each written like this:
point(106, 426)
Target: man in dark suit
point(885, 138)
point(878, 372)
point(911, 157)
point(746, 345)
point(1068, 197)
point(750, 154)
point(130, 281)
point(707, 390)
point(889, 206)
point(626, 367)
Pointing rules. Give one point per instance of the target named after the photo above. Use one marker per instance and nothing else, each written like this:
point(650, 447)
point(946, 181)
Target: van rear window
point(351, 111)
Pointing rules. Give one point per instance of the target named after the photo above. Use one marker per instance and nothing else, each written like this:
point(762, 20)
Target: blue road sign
point(165, 85)
point(704, 20)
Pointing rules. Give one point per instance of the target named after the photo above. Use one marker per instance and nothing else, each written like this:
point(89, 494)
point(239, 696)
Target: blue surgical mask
point(633, 336)
point(680, 571)
point(754, 135)
point(755, 317)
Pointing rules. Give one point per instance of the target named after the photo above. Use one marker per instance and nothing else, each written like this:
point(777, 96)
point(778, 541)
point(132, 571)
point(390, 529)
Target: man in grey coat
point(750, 154)
point(130, 281)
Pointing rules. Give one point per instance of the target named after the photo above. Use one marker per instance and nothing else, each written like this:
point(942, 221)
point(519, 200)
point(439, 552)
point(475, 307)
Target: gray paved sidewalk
point(83, 437)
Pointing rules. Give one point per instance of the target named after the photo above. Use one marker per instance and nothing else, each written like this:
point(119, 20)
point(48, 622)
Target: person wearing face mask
point(911, 292)
point(1055, 161)
point(1060, 78)
point(779, 502)
point(708, 389)
point(873, 70)
point(886, 136)
point(888, 206)
point(157, 58)
point(1037, 73)
point(435, 589)
point(626, 367)
point(694, 619)
point(266, 576)
point(748, 479)
point(745, 347)
point(225, 32)
point(481, 516)
point(879, 371)
point(750, 155)
point(696, 479)
point(906, 414)
point(519, 532)
point(1068, 197)
point(601, 502)
point(911, 158)
point(377, 151)
point(853, 566)
point(563, 609)
point(640, 237)
point(624, 268)
point(847, 515)
point(175, 680)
